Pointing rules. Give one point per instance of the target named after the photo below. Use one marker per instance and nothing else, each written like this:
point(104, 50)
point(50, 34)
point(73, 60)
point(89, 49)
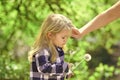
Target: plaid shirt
point(43, 69)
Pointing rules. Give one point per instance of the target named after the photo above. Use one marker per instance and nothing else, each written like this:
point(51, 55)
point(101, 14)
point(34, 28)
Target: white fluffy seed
point(87, 57)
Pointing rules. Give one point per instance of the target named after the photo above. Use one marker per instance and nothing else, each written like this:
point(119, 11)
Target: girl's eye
point(63, 37)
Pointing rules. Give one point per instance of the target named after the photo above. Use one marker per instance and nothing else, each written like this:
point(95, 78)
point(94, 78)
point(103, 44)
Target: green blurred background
point(20, 21)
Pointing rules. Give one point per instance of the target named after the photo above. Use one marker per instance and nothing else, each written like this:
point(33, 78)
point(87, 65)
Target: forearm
point(102, 19)
point(53, 69)
point(45, 66)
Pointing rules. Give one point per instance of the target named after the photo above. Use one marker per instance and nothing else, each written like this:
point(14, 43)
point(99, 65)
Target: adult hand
point(76, 33)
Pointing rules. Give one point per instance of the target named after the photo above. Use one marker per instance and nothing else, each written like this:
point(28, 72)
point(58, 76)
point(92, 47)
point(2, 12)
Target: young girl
point(47, 55)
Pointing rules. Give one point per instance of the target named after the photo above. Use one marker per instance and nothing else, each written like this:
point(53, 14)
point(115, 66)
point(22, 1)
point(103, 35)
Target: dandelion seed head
point(87, 57)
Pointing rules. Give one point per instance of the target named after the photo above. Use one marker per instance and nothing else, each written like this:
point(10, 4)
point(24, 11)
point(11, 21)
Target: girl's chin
point(61, 46)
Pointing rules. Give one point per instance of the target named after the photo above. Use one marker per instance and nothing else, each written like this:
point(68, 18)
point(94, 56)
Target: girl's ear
point(49, 34)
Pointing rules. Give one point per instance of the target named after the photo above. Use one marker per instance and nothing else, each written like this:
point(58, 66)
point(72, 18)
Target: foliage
point(102, 72)
point(20, 21)
point(13, 70)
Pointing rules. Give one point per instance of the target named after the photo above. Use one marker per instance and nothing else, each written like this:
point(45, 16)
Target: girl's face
point(61, 38)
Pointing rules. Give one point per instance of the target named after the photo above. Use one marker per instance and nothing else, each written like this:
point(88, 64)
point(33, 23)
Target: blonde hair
point(54, 23)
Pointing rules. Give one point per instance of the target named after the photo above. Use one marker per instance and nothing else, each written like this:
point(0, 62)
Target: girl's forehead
point(65, 31)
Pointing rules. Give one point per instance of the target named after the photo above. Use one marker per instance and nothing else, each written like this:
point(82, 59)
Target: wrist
point(81, 33)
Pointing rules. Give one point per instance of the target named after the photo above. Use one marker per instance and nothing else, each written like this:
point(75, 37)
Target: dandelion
point(87, 57)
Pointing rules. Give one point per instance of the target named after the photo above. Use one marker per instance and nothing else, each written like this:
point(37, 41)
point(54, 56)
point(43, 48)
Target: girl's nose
point(65, 40)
